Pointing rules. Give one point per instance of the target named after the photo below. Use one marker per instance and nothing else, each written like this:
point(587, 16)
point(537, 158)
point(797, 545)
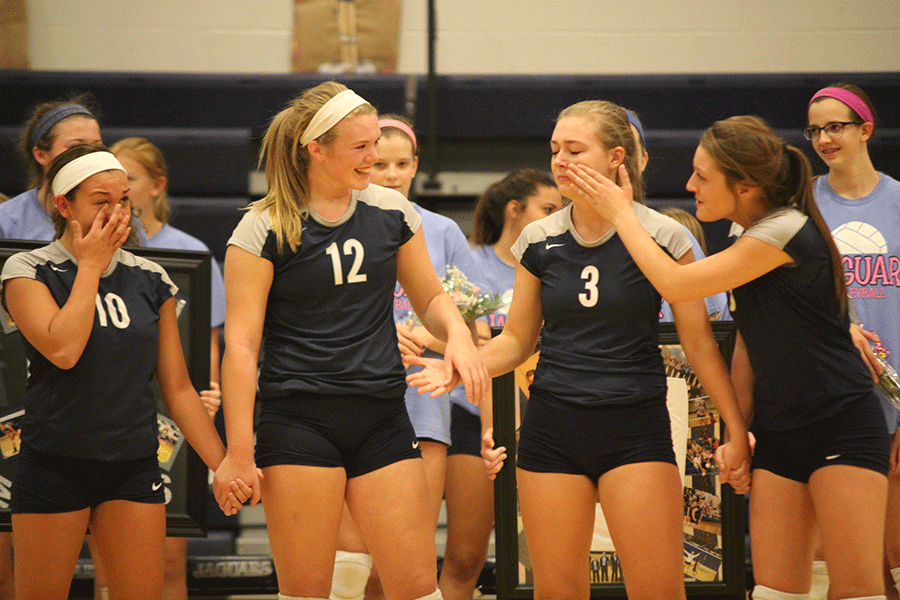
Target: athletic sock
point(761, 592)
point(435, 595)
point(895, 573)
point(819, 588)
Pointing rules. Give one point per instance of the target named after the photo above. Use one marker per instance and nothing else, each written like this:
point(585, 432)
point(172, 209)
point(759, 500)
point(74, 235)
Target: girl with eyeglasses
point(862, 209)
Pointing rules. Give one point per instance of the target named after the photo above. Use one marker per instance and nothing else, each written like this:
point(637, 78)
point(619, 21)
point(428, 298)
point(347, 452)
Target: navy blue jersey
point(101, 408)
point(804, 362)
point(600, 342)
point(329, 324)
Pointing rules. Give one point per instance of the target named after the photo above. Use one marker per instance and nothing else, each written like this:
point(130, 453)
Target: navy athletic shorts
point(465, 432)
point(359, 433)
point(558, 437)
point(855, 436)
point(46, 483)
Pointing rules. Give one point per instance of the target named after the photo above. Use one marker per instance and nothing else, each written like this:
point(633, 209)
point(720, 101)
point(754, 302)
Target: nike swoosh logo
point(832, 457)
point(415, 444)
point(157, 485)
point(57, 269)
point(548, 246)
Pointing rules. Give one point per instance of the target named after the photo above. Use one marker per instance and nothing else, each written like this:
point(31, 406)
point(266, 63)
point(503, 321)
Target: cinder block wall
point(478, 36)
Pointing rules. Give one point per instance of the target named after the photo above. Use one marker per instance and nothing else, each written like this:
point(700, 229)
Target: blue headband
point(632, 118)
point(54, 116)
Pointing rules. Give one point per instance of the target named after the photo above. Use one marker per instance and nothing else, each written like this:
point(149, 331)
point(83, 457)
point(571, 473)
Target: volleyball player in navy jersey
point(395, 168)
point(821, 453)
point(504, 209)
point(311, 270)
point(98, 321)
point(596, 420)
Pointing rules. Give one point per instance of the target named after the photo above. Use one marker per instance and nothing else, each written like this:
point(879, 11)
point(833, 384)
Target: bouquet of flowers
point(469, 301)
point(889, 381)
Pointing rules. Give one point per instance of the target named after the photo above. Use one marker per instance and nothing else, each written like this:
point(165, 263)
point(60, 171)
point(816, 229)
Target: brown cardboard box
point(13, 35)
point(318, 44)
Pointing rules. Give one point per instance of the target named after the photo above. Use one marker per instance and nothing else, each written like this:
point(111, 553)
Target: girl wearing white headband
point(98, 320)
point(311, 270)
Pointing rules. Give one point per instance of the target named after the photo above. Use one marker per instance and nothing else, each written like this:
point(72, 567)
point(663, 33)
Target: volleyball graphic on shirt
point(857, 237)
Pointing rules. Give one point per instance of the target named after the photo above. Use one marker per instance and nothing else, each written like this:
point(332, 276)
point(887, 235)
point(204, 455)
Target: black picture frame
point(509, 587)
point(185, 476)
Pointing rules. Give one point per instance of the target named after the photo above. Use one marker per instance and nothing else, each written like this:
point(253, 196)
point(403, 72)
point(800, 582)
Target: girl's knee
point(464, 567)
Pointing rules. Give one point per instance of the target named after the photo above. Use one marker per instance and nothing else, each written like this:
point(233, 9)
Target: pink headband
point(402, 127)
point(850, 99)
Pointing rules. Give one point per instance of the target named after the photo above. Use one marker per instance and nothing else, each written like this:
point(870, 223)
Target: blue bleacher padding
point(211, 220)
point(183, 99)
point(211, 161)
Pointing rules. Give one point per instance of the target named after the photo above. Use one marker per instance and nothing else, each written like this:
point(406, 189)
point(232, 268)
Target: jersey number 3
point(352, 247)
point(589, 296)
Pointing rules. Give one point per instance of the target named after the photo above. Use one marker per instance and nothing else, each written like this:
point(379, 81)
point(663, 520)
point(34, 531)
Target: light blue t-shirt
point(23, 217)
point(498, 278)
point(174, 239)
point(716, 306)
point(447, 246)
point(867, 233)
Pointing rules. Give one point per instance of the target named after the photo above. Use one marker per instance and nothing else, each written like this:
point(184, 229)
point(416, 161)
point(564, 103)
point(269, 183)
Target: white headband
point(331, 112)
point(83, 167)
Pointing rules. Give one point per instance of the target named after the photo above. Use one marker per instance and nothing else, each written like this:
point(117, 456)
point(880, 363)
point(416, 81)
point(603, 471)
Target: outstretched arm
point(743, 261)
point(441, 317)
point(503, 353)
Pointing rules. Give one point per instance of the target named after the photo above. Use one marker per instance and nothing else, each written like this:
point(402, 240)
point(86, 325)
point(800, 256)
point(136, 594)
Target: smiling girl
point(309, 277)
point(822, 445)
point(862, 209)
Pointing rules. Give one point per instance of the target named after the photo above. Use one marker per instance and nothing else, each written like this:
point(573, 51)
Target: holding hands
point(229, 485)
point(733, 462)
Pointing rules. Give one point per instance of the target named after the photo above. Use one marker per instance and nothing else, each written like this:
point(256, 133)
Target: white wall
point(483, 36)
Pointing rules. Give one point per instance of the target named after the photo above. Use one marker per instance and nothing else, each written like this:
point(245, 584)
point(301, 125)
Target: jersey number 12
point(351, 247)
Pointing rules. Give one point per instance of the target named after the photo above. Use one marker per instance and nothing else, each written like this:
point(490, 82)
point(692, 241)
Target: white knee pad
point(895, 573)
point(819, 588)
point(351, 572)
point(761, 592)
point(435, 595)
